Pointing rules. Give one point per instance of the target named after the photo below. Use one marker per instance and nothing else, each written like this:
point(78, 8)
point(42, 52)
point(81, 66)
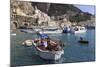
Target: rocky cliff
point(34, 13)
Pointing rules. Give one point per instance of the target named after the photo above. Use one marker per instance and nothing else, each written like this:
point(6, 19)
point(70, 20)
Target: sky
point(87, 8)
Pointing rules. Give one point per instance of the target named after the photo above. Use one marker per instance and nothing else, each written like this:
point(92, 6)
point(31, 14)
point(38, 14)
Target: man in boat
point(42, 41)
point(46, 43)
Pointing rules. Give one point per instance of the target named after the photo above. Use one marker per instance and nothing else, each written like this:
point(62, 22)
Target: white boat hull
point(51, 55)
point(28, 31)
point(51, 32)
point(80, 31)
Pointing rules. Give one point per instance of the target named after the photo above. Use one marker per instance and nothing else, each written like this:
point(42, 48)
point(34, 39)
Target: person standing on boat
point(44, 43)
point(44, 39)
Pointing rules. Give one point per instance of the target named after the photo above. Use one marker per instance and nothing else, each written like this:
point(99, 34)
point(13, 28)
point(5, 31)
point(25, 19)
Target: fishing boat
point(53, 53)
point(78, 29)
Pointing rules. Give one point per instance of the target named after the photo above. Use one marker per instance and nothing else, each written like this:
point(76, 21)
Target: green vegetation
point(80, 17)
point(60, 9)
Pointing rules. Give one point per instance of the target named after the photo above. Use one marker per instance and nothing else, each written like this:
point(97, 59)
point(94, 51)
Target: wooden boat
point(53, 54)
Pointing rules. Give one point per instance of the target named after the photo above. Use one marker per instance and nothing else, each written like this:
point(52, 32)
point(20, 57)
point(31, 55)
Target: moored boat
point(78, 29)
point(83, 41)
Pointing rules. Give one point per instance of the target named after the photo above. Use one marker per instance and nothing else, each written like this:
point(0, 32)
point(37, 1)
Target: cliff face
point(23, 12)
point(44, 7)
point(34, 13)
point(26, 7)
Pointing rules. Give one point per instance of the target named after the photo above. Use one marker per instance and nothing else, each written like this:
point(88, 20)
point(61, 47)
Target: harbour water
point(73, 51)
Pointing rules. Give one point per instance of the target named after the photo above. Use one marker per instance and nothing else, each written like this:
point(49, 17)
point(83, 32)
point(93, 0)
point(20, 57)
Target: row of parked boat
point(52, 30)
point(75, 29)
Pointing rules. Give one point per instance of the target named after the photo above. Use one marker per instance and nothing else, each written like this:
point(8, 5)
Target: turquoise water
point(73, 51)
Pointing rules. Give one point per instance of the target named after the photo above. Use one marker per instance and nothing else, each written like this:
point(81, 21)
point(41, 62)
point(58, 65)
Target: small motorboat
point(83, 41)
